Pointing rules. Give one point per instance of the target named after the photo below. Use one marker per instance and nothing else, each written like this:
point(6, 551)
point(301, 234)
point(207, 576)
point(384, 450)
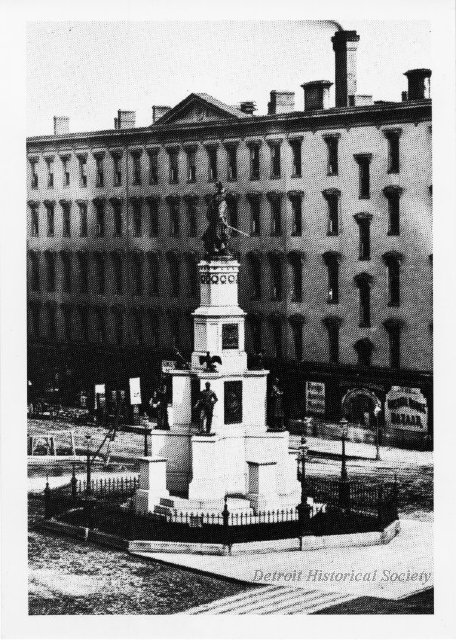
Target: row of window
point(174, 167)
point(143, 269)
point(138, 221)
point(142, 327)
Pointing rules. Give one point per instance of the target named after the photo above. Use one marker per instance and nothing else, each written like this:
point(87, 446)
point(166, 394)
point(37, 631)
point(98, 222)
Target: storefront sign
point(315, 397)
point(406, 408)
point(135, 391)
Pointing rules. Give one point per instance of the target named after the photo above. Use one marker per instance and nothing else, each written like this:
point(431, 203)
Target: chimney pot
point(345, 45)
point(61, 125)
point(419, 83)
point(316, 94)
point(248, 106)
point(158, 111)
point(125, 119)
point(281, 102)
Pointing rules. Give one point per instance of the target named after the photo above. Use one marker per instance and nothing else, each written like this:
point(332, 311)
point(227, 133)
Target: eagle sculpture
point(210, 362)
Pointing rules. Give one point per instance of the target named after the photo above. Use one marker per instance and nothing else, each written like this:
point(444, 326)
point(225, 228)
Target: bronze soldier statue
point(216, 236)
point(205, 405)
point(159, 402)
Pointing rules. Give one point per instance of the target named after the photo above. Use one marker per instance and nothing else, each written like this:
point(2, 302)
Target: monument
point(236, 456)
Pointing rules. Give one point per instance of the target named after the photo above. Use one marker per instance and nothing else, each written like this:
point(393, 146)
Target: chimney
point(61, 125)
point(360, 100)
point(248, 107)
point(281, 102)
point(345, 44)
point(158, 112)
point(404, 96)
point(419, 83)
point(125, 120)
point(316, 94)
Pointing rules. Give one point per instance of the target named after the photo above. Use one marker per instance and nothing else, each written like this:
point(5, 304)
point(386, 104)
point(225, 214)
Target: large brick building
point(335, 204)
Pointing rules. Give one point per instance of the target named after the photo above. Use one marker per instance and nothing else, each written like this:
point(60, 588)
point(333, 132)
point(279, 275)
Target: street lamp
point(344, 432)
point(377, 433)
point(88, 480)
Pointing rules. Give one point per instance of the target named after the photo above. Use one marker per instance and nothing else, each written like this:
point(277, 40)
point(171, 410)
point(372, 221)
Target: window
point(174, 328)
point(136, 328)
point(332, 259)
point(35, 312)
point(52, 321)
point(136, 157)
point(154, 328)
point(231, 151)
point(117, 216)
point(153, 278)
point(332, 197)
point(276, 214)
point(363, 282)
point(364, 348)
point(34, 176)
point(276, 330)
point(137, 218)
point(254, 267)
point(174, 274)
point(117, 169)
point(255, 215)
point(84, 324)
point(118, 273)
point(276, 276)
point(332, 143)
point(83, 226)
point(254, 323)
point(50, 218)
point(192, 273)
point(118, 326)
point(192, 224)
point(100, 270)
point(34, 217)
point(296, 153)
point(254, 150)
point(296, 323)
point(275, 160)
point(153, 217)
point(66, 170)
point(191, 164)
point(364, 220)
point(393, 260)
point(67, 322)
point(392, 137)
point(50, 271)
point(153, 165)
point(50, 172)
point(137, 269)
point(34, 271)
point(66, 218)
point(174, 226)
point(212, 163)
point(100, 218)
point(393, 326)
point(393, 195)
point(332, 324)
point(296, 213)
point(364, 160)
point(99, 160)
point(295, 260)
point(232, 213)
point(82, 170)
point(83, 273)
point(173, 165)
point(100, 326)
point(66, 264)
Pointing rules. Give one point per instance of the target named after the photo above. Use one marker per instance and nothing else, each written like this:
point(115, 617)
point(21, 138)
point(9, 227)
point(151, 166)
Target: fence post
point(226, 527)
point(47, 500)
point(74, 483)
point(303, 508)
point(380, 507)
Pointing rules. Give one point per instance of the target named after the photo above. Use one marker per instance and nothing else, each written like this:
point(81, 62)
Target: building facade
point(331, 216)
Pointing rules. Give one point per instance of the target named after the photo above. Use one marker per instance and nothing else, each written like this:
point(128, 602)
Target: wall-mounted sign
point(168, 365)
point(406, 408)
point(233, 401)
point(230, 336)
point(315, 398)
point(135, 391)
point(100, 395)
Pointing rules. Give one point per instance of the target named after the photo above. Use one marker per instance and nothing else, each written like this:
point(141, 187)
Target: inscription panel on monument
point(233, 402)
point(230, 336)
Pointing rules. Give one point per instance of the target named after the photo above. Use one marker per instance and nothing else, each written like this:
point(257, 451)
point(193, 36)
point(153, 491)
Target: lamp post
point(344, 484)
point(377, 433)
point(303, 508)
point(88, 480)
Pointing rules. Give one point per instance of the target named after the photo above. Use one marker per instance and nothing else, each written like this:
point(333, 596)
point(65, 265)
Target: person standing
point(205, 405)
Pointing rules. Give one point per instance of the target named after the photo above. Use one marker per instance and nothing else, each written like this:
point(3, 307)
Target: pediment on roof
point(199, 108)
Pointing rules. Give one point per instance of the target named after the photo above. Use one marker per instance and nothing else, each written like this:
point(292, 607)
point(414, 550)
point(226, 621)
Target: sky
point(89, 70)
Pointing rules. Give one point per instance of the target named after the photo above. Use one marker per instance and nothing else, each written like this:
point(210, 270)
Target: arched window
point(275, 264)
point(66, 267)
point(35, 313)
point(192, 275)
point(34, 271)
point(137, 268)
point(232, 211)
point(67, 312)
point(393, 261)
point(332, 260)
point(364, 220)
point(276, 323)
point(50, 271)
point(83, 272)
point(297, 322)
point(154, 327)
point(394, 327)
point(118, 322)
point(275, 203)
point(295, 259)
point(332, 197)
point(100, 270)
point(254, 327)
point(117, 267)
point(296, 212)
point(255, 213)
point(136, 330)
point(363, 281)
point(153, 277)
point(174, 274)
point(254, 268)
point(100, 326)
point(52, 321)
point(192, 216)
point(332, 324)
point(393, 194)
point(364, 348)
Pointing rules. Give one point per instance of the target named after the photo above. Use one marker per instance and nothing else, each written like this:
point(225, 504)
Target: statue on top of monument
point(217, 234)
